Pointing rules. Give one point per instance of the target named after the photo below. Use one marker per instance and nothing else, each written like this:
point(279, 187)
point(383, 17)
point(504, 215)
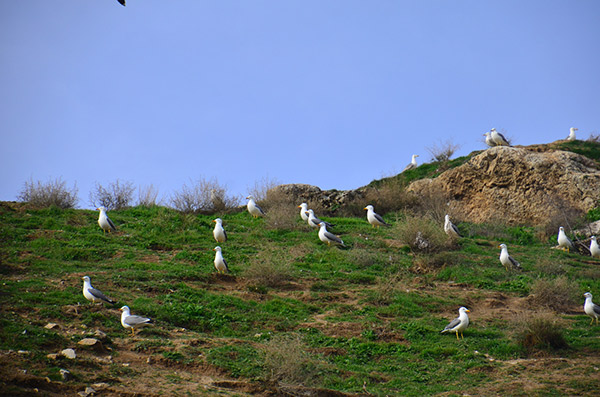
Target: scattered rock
point(52, 356)
point(93, 343)
point(99, 334)
point(87, 392)
point(100, 386)
point(66, 375)
point(51, 326)
point(23, 352)
point(68, 353)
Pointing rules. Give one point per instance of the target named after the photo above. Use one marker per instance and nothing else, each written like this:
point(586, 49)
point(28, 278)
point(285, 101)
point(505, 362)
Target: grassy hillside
point(292, 313)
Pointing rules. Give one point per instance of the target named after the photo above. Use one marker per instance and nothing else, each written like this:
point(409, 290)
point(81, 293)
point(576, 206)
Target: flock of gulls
point(458, 325)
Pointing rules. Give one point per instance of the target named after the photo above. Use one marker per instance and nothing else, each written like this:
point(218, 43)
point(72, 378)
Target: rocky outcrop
point(517, 185)
point(326, 200)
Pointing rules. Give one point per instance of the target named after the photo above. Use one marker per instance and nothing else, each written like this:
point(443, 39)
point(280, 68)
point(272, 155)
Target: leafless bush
point(147, 196)
point(421, 234)
point(540, 332)
point(261, 188)
point(594, 138)
point(51, 193)
point(281, 213)
point(116, 196)
point(443, 151)
point(288, 360)
point(429, 263)
point(390, 195)
point(203, 196)
point(269, 269)
point(433, 203)
point(385, 290)
point(558, 294)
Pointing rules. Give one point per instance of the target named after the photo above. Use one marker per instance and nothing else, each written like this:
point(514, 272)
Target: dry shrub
point(433, 203)
point(261, 188)
point(442, 152)
point(594, 138)
point(280, 211)
point(269, 269)
point(422, 234)
point(288, 360)
point(423, 264)
point(559, 213)
point(204, 196)
point(116, 196)
point(147, 196)
point(48, 194)
point(388, 195)
point(540, 332)
point(386, 290)
point(550, 266)
point(558, 294)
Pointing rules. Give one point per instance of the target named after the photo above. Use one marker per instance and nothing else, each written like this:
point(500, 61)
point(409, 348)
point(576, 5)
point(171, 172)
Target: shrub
point(51, 193)
point(433, 203)
point(147, 196)
point(443, 152)
point(431, 262)
point(558, 294)
point(280, 212)
point(288, 360)
point(387, 196)
point(269, 269)
point(540, 332)
point(422, 234)
point(261, 188)
point(116, 196)
point(203, 196)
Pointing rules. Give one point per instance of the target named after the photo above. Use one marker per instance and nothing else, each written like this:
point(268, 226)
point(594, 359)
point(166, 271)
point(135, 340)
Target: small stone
point(126, 364)
point(66, 375)
point(149, 360)
point(52, 356)
point(51, 326)
point(69, 353)
point(100, 334)
point(23, 352)
point(100, 386)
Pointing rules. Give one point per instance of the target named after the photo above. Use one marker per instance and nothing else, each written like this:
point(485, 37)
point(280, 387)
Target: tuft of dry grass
point(260, 189)
point(442, 152)
point(558, 294)
point(422, 234)
point(269, 269)
point(147, 196)
point(288, 360)
point(48, 194)
point(424, 264)
point(386, 289)
point(280, 212)
point(541, 331)
point(204, 196)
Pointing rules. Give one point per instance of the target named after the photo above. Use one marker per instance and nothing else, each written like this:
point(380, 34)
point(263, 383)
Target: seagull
point(594, 248)
point(254, 209)
point(133, 322)
point(498, 138)
point(563, 241)
point(488, 140)
point(374, 218)
point(507, 260)
point(220, 263)
point(314, 221)
point(328, 237)
point(571, 136)
point(218, 232)
point(122, 2)
point(449, 227)
point(303, 209)
point(590, 308)
point(92, 294)
point(412, 164)
point(104, 221)
point(459, 324)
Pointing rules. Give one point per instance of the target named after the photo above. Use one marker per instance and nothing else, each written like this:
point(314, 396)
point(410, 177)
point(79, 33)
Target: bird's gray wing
point(136, 320)
point(410, 166)
point(379, 218)
point(225, 263)
point(502, 137)
point(455, 229)
point(111, 224)
point(333, 237)
point(452, 324)
point(596, 308)
point(259, 209)
point(98, 294)
point(122, 2)
point(225, 233)
point(514, 262)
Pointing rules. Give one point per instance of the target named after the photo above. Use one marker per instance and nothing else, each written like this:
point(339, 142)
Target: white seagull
point(104, 221)
point(571, 136)
point(594, 248)
point(219, 233)
point(254, 209)
point(133, 322)
point(220, 263)
point(507, 260)
point(563, 241)
point(303, 209)
point(92, 294)
point(459, 324)
point(314, 221)
point(488, 140)
point(374, 218)
point(449, 227)
point(498, 138)
point(328, 237)
point(412, 164)
point(590, 308)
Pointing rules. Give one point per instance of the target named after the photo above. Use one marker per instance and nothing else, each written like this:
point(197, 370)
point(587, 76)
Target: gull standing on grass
point(412, 164)
point(571, 136)
point(374, 218)
point(328, 237)
point(314, 221)
point(498, 138)
point(594, 248)
point(219, 233)
point(253, 208)
point(449, 227)
point(459, 324)
point(92, 294)
point(133, 322)
point(104, 221)
point(507, 260)
point(303, 209)
point(590, 308)
point(220, 263)
point(563, 241)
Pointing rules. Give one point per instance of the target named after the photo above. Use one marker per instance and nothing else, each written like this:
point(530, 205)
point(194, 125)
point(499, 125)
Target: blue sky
point(330, 93)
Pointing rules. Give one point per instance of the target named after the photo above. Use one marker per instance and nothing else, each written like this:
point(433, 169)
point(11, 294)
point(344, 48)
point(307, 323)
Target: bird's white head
point(447, 217)
point(573, 129)
point(311, 212)
point(85, 278)
point(593, 238)
point(464, 310)
point(217, 248)
point(368, 207)
point(322, 224)
point(561, 229)
point(303, 206)
point(101, 209)
point(588, 295)
point(493, 130)
point(503, 246)
point(125, 309)
point(250, 197)
point(218, 220)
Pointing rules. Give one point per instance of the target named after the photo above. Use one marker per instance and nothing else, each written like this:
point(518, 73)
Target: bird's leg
point(132, 331)
point(457, 338)
point(461, 335)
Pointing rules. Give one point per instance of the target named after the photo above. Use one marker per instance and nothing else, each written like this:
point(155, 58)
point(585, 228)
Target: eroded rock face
point(517, 185)
point(328, 200)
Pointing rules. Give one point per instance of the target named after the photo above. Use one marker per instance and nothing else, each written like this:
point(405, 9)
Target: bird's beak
point(499, 246)
point(468, 311)
point(214, 249)
point(214, 221)
point(365, 208)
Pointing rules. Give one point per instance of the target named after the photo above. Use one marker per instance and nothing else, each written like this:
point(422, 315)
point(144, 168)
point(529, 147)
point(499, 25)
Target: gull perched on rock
point(594, 248)
point(219, 233)
point(590, 308)
point(412, 164)
point(498, 138)
point(303, 209)
point(488, 140)
point(92, 294)
point(507, 260)
point(374, 218)
point(563, 241)
point(328, 237)
point(133, 322)
point(104, 221)
point(314, 221)
point(449, 227)
point(220, 263)
point(459, 324)
point(254, 209)
point(571, 136)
